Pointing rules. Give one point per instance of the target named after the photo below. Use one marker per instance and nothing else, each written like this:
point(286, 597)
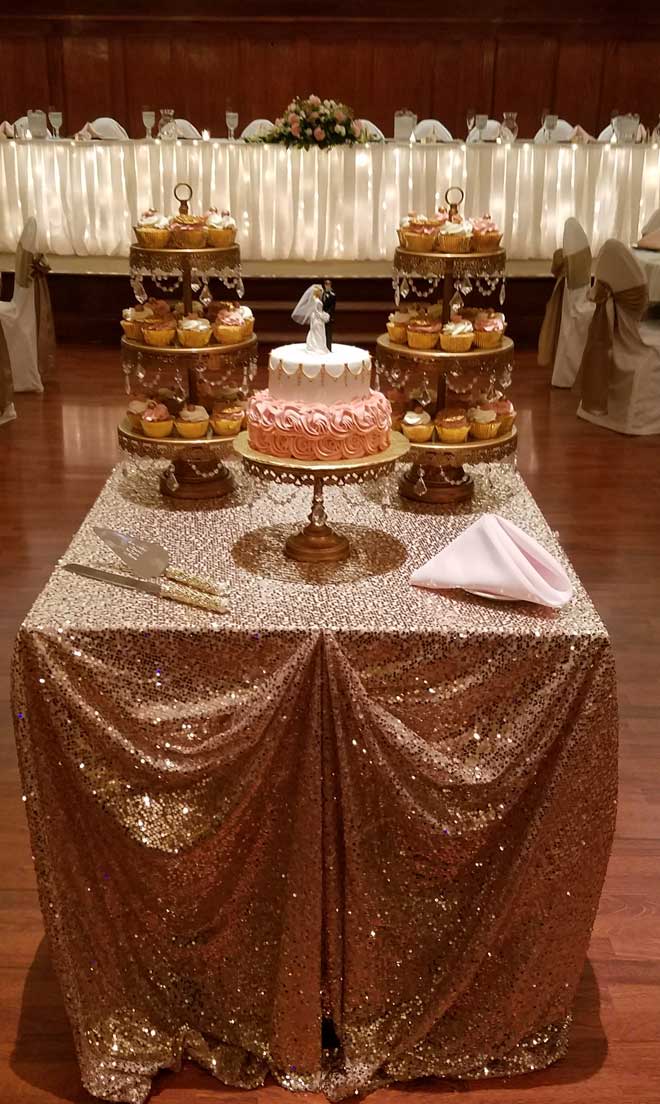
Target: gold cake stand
point(422, 273)
point(197, 469)
point(436, 474)
point(317, 542)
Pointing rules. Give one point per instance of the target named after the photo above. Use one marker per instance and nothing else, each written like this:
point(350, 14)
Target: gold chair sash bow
point(593, 378)
point(33, 267)
point(572, 270)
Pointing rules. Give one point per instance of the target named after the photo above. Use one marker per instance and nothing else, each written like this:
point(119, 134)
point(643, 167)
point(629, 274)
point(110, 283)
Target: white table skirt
point(344, 204)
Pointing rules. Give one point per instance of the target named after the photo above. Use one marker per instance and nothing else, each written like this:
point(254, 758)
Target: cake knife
point(175, 593)
point(149, 560)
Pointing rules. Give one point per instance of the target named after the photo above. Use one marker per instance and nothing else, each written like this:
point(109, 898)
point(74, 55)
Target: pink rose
point(315, 101)
point(295, 130)
point(339, 116)
point(294, 120)
point(313, 115)
point(319, 134)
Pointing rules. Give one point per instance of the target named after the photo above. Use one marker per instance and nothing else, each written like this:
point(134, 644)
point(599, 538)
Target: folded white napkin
point(494, 557)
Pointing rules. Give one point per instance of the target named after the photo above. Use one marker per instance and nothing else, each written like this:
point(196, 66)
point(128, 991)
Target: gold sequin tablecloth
point(348, 801)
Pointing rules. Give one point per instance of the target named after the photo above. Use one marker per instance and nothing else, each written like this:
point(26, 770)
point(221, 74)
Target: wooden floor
point(601, 492)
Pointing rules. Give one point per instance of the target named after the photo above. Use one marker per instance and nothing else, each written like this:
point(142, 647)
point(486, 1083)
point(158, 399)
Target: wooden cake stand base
point(197, 469)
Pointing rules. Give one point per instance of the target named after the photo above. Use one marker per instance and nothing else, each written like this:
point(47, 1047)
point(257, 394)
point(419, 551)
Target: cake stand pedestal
point(197, 469)
point(436, 474)
point(317, 542)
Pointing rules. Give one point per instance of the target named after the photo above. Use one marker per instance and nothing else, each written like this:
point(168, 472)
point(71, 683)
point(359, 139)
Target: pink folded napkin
point(495, 558)
point(650, 241)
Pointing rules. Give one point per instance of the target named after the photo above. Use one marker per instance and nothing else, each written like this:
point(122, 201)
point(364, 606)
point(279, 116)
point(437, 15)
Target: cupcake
point(488, 329)
point(420, 237)
point(397, 327)
point(484, 422)
point(152, 230)
point(397, 401)
point(192, 421)
point(423, 335)
point(417, 426)
point(221, 228)
point(248, 321)
point(452, 426)
point(227, 421)
point(406, 222)
point(439, 218)
point(133, 319)
point(157, 420)
point(134, 412)
point(218, 306)
point(454, 237)
point(457, 336)
point(228, 328)
point(505, 412)
point(486, 235)
point(159, 331)
point(193, 332)
point(188, 232)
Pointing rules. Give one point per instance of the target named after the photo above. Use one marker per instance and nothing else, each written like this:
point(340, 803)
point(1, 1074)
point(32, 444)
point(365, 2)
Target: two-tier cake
point(319, 406)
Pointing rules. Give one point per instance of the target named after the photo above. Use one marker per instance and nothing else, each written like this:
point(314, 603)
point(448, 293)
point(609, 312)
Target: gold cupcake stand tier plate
point(197, 469)
point(436, 474)
point(317, 542)
point(184, 267)
point(203, 371)
point(444, 268)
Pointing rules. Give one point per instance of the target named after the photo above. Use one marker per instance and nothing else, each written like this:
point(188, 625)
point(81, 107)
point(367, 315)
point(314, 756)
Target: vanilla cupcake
point(134, 411)
point(423, 335)
point(227, 421)
point(192, 421)
point(488, 329)
point(457, 336)
point(133, 319)
point(397, 327)
point(452, 426)
point(454, 237)
point(417, 426)
point(193, 333)
point(221, 228)
point(152, 230)
point(484, 422)
point(157, 420)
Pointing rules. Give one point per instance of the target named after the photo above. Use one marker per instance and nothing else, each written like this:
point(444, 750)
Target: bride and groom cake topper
point(316, 309)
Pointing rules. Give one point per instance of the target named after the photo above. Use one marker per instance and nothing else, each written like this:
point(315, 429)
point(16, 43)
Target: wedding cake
point(319, 404)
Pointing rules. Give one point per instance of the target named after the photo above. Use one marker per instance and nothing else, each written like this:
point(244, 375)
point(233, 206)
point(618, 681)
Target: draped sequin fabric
point(347, 800)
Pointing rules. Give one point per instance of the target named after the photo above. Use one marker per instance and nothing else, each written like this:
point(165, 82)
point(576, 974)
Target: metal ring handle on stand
point(183, 203)
point(454, 188)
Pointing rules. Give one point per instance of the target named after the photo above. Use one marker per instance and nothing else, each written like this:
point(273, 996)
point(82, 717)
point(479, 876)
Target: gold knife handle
point(191, 598)
point(194, 581)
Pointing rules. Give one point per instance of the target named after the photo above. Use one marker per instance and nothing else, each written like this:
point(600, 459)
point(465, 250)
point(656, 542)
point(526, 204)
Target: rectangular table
point(343, 204)
point(347, 802)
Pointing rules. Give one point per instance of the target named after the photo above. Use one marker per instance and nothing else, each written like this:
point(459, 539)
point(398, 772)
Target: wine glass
point(470, 116)
point(149, 120)
point(549, 124)
point(481, 122)
point(55, 120)
point(510, 123)
point(231, 119)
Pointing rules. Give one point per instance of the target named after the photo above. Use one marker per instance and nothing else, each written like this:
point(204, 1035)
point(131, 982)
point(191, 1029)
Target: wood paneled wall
point(520, 57)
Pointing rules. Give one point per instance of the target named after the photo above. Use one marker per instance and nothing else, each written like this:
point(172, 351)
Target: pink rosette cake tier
point(319, 406)
point(309, 431)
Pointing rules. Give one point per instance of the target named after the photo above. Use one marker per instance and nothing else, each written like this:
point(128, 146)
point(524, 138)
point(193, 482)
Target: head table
point(344, 204)
point(346, 802)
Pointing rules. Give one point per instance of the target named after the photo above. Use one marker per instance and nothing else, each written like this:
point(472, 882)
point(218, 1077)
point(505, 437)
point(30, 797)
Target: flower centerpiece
point(312, 121)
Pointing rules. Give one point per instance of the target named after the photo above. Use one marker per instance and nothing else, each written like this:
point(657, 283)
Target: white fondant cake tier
point(344, 375)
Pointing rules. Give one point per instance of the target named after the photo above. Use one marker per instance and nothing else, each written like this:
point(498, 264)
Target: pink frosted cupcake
point(505, 413)
point(489, 329)
point(486, 235)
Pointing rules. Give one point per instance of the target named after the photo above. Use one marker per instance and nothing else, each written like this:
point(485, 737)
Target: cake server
point(149, 560)
point(188, 597)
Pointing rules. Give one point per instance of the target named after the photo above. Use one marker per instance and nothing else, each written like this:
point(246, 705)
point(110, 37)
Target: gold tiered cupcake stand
point(196, 469)
point(437, 475)
point(317, 542)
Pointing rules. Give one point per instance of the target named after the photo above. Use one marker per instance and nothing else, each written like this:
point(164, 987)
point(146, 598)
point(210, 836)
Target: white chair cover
point(492, 131)
point(109, 130)
point(563, 132)
point(372, 131)
point(184, 129)
point(257, 128)
point(18, 320)
point(433, 130)
point(652, 224)
point(577, 312)
point(21, 126)
point(633, 394)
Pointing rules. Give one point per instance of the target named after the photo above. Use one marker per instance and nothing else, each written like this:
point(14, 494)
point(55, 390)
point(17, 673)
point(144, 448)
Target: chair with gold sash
point(569, 310)
point(619, 378)
point(26, 322)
